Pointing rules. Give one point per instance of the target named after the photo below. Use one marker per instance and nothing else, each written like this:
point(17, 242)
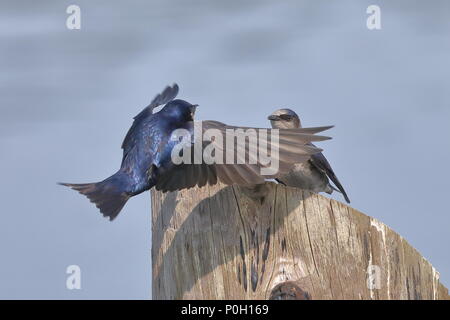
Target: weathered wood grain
point(276, 242)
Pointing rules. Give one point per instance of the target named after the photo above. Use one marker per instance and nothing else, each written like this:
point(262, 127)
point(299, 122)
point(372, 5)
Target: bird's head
point(284, 119)
point(180, 110)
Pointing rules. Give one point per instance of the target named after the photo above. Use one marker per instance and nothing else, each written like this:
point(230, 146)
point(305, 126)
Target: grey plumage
point(313, 175)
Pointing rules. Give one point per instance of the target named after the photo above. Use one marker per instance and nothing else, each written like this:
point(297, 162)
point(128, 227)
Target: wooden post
point(275, 242)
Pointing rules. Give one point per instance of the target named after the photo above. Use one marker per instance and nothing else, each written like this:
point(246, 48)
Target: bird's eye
point(286, 117)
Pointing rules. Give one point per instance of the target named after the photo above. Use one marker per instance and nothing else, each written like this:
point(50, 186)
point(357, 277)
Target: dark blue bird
point(144, 147)
point(147, 162)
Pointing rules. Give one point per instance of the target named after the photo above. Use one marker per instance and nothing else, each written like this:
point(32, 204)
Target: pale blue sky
point(67, 99)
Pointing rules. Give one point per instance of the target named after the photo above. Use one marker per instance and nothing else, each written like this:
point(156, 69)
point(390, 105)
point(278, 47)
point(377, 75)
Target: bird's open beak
point(273, 117)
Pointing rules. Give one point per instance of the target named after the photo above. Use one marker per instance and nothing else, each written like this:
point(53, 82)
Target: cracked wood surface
point(220, 242)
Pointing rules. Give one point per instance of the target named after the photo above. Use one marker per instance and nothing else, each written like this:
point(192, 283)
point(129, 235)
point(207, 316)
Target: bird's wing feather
point(321, 163)
point(142, 143)
point(167, 95)
point(293, 148)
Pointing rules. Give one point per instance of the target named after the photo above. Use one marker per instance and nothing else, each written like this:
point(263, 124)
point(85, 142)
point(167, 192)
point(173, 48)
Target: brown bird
point(314, 174)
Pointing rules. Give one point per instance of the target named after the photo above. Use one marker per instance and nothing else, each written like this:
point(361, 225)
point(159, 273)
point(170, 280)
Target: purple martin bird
point(314, 174)
point(147, 156)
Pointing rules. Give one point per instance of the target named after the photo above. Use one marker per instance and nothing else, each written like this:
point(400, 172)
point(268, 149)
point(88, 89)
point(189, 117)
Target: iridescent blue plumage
point(146, 148)
point(148, 142)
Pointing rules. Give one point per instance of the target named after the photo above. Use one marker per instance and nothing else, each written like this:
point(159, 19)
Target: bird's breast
point(305, 176)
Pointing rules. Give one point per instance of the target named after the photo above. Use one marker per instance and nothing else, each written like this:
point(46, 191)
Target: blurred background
point(67, 98)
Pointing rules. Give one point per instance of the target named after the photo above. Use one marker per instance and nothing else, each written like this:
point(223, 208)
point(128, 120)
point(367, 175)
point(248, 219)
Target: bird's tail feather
point(339, 186)
point(108, 195)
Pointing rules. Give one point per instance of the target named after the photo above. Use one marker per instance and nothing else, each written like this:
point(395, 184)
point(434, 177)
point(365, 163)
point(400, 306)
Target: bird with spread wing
point(148, 150)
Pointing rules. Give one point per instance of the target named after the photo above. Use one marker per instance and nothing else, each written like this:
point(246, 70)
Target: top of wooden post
point(271, 241)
